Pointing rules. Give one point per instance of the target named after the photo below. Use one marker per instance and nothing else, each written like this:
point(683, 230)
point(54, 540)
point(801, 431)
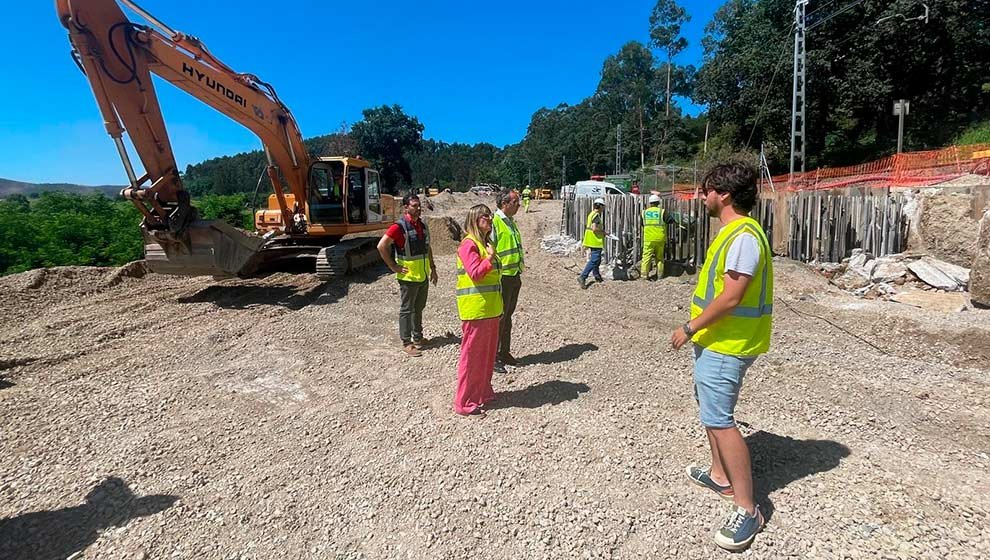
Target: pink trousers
point(479, 343)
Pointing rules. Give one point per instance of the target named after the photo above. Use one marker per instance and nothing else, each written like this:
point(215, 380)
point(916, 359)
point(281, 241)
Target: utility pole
point(706, 137)
point(798, 99)
point(563, 171)
point(618, 148)
point(902, 108)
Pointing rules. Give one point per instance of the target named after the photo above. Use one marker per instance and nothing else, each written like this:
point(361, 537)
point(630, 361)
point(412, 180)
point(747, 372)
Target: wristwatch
point(687, 328)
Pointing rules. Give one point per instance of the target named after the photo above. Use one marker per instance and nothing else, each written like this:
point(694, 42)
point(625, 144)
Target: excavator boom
point(118, 58)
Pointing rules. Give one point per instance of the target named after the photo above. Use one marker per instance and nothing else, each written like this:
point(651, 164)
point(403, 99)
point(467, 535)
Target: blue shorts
point(717, 381)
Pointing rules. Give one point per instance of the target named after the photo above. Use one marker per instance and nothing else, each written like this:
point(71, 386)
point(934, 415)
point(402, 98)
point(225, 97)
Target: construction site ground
point(148, 417)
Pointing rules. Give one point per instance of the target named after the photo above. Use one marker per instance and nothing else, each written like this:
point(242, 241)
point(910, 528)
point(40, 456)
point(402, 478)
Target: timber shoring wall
point(807, 226)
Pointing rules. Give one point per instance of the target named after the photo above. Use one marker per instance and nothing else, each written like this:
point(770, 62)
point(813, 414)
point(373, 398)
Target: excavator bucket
point(205, 248)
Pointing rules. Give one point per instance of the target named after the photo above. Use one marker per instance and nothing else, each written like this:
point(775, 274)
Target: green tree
point(388, 137)
point(628, 89)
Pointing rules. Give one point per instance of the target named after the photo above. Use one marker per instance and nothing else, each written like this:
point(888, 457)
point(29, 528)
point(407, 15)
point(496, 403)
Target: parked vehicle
point(590, 189)
point(484, 189)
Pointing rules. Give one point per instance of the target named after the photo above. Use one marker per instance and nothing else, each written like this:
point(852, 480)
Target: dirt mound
point(445, 234)
point(947, 229)
point(455, 204)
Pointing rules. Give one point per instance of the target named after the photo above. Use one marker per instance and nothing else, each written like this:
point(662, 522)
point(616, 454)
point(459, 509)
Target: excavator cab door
point(374, 194)
point(326, 193)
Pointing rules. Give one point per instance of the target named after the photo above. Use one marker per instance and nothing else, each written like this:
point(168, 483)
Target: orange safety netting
point(913, 169)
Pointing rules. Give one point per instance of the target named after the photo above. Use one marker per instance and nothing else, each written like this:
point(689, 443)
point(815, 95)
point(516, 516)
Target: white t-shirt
point(744, 254)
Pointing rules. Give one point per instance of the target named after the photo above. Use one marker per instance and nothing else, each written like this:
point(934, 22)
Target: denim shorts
point(717, 381)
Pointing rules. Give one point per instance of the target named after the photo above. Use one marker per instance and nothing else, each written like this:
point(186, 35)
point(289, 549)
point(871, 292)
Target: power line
point(766, 94)
point(838, 12)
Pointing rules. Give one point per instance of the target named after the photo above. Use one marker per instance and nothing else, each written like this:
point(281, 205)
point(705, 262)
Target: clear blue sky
point(470, 71)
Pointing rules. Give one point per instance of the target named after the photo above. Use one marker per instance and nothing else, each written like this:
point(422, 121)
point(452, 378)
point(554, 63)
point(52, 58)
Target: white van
point(591, 189)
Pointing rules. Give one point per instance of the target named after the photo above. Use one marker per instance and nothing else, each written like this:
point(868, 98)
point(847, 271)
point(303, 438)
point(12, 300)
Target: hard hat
point(599, 201)
point(654, 198)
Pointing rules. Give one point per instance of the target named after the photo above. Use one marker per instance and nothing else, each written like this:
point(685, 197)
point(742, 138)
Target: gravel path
point(157, 417)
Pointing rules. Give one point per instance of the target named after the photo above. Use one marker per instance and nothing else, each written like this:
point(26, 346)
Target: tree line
point(861, 56)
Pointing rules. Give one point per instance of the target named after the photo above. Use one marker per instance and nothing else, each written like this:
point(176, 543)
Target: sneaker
point(411, 350)
point(702, 478)
point(499, 368)
point(739, 529)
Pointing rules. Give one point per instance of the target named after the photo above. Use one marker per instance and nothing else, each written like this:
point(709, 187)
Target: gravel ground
point(155, 417)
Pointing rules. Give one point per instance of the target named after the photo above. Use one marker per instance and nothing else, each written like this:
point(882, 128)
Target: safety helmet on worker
point(599, 201)
point(654, 198)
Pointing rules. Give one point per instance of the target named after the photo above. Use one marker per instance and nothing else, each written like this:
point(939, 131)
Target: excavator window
point(325, 196)
point(356, 213)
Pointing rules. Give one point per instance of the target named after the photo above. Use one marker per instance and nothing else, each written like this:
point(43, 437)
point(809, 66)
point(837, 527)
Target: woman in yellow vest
point(479, 305)
point(731, 313)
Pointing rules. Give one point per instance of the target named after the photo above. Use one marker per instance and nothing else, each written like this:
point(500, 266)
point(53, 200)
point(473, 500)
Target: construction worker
point(731, 314)
point(406, 250)
point(508, 244)
point(655, 223)
point(594, 240)
point(527, 194)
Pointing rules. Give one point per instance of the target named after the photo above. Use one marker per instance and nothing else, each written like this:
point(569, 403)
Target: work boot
point(421, 343)
point(411, 350)
point(582, 284)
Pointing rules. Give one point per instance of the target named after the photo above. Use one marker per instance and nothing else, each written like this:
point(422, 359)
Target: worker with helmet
point(594, 240)
point(655, 223)
point(527, 194)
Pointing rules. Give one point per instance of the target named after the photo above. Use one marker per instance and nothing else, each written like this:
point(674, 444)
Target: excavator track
point(346, 257)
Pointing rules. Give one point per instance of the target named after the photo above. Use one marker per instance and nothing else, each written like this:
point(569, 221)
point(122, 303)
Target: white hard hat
point(654, 198)
point(599, 201)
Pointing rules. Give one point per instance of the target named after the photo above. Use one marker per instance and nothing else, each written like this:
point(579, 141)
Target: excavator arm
point(118, 58)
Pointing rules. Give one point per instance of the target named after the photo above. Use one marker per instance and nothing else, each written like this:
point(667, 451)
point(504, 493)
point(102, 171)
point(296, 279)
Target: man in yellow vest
point(594, 240)
point(507, 240)
point(655, 222)
point(731, 314)
point(527, 195)
point(406, 250)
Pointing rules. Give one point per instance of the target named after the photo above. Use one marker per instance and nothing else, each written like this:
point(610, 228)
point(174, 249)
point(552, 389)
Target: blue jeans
point(594, 261)
point(717, 381)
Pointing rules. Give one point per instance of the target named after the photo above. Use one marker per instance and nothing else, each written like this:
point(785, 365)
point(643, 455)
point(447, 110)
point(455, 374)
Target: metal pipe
point(144, 13)
point(122, 150)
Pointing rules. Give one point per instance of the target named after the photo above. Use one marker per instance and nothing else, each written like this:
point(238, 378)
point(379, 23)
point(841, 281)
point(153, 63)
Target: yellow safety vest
point(653, 226)
point(481, 299)
point(527, 193)
point(415, 255)
point(508, 245)
point(745, 331)
point(592, 239)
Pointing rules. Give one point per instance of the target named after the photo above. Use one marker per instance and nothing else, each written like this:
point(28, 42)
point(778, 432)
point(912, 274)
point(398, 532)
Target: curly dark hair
point(736, 178)
point(409, 197)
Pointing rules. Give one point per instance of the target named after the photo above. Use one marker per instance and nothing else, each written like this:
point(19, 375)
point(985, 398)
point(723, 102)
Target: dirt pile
point(445, 234)
point(167, 417)
point(979, 276)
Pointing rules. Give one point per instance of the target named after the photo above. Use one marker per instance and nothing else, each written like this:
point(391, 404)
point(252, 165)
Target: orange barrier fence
point(913, 169)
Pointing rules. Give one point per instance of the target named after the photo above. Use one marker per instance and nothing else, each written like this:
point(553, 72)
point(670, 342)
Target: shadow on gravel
point(779, 461)
point(288, 296)
point(535, 396)
point(44, 535)
point(565, 353)
point(447, 339)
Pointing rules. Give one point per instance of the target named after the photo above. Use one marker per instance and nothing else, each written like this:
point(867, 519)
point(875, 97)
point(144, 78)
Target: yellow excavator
point(315, 202)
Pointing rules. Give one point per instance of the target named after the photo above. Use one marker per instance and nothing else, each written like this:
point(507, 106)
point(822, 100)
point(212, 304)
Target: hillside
point(10, 187)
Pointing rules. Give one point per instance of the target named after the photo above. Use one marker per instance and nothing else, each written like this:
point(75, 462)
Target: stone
point(979, 278)
point(852, 279)
point(940, 274)
point(888, 269)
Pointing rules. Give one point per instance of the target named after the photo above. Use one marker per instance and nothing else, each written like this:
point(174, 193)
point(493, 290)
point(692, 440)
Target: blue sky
point(470, 72)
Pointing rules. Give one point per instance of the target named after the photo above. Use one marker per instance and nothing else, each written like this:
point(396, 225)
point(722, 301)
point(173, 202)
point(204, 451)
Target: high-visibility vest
point(745, 331)
point(527, 193)
point(415, 255)
point(508, 245)
point(481, 299)
point(592, 239)
point(653, 226)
